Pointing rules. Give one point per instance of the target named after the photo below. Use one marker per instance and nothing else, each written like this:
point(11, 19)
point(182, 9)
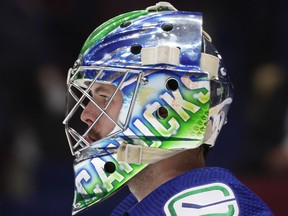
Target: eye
point(106, 98)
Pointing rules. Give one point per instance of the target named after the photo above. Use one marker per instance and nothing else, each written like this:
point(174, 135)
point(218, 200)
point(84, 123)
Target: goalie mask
point(147, 85)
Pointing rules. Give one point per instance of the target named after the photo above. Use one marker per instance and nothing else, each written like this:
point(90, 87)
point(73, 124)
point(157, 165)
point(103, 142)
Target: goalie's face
point(106, 100)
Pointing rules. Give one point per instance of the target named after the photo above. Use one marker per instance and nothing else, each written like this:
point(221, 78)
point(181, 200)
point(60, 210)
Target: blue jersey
point(205, 191)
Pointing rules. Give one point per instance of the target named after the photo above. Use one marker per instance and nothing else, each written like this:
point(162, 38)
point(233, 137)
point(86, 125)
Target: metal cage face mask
point(100, 98)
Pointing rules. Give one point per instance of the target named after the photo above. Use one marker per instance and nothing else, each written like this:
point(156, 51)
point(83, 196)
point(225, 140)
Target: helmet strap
point(136, 154)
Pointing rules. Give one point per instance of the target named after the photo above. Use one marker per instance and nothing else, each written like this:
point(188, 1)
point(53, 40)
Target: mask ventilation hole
point(109, 167)
point(172, 85)
point(167, 26)
point(125, 24)
point(135, 49)
point(162, 112)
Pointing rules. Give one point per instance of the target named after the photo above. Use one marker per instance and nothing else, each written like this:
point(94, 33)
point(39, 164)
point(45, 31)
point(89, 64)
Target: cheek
point(117, 103)
point(114, 110)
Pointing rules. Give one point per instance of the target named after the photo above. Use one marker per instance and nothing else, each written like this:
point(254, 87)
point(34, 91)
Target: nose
point(89, 114)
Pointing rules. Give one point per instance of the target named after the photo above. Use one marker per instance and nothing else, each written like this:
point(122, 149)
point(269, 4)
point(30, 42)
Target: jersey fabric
point(205, 191)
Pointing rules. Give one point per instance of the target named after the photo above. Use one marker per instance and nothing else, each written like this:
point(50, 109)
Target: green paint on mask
point(109, 26)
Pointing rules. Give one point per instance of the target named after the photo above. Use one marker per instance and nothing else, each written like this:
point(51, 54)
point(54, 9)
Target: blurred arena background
point(41, 39)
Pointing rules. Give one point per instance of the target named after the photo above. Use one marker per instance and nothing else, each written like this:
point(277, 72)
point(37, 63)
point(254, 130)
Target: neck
point(158, 173)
